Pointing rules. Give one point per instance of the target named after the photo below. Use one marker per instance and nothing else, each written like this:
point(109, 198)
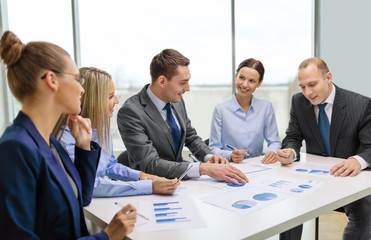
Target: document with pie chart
point(316, 169)
point(246, 200)
point(291, 186)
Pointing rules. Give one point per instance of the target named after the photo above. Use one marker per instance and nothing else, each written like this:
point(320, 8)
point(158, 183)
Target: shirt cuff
point(207, 157)
point(295, 156)
point(134, 174)
point(361, 161)
point(195, 170)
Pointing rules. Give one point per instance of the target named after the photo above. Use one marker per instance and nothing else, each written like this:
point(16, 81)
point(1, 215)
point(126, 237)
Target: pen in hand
point(119, 204)
point(290, 158)
point(185, 173)
point(234, 148)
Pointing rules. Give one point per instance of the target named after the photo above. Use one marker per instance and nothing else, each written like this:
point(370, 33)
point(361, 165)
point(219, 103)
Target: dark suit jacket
point(36, 198)
point(148, 138)
point(350, 131)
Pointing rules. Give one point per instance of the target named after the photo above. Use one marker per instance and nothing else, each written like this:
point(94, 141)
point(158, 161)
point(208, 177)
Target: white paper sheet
point(247, 200)
point(313, 169)
point(295, 187)
point(252, 167)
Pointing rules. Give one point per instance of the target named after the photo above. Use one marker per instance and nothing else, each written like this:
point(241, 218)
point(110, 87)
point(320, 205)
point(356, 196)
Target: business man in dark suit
point(154, 126)
point(333, 122)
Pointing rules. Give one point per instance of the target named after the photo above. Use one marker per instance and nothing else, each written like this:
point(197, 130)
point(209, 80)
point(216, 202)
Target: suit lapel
point(54, 167)
point(337, 118)
point(151, 110)
point(312, 123)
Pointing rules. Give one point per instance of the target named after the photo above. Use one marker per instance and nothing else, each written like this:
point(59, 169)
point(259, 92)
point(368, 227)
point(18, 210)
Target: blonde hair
point(27, 63)
point(94, 103)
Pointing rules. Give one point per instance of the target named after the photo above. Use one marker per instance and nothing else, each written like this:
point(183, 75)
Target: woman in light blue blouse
point(241, 124)
point(112, 178)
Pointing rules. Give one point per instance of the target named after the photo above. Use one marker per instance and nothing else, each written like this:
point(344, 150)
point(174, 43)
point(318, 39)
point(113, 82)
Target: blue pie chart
point(305, 186)
point(265, 196)
point(235, 185)
point(244, 204)
point(297, 190)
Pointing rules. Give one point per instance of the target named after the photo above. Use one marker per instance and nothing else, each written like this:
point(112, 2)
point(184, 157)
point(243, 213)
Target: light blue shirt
point(127, 183)
point(195, 171)
point(231, 125)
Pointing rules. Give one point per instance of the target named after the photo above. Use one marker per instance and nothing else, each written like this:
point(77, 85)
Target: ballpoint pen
point(234, 148)
point(193, 157)
point(290, 158)
point(185, 173)
point(119, 204)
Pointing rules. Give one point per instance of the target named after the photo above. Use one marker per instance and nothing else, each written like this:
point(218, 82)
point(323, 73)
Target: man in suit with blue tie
point(154, 126)
point(333, 122)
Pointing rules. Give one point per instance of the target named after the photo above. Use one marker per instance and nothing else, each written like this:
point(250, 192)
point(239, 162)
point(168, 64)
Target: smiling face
point(247, 80)
point(314, 86)
point(112, 99)
point(174, 88)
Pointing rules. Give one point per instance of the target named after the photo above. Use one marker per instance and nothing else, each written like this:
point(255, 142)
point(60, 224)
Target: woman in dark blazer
point(42, 193)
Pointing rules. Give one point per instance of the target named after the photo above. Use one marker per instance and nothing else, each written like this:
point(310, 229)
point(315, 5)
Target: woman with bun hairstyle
point(113, 179)
point(241, 124)
point(42, 193)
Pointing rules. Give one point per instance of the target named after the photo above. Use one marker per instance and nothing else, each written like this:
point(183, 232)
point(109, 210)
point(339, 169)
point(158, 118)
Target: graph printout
point(170, 214)
point(247, 200)
point(296, 187)
point(313, 169)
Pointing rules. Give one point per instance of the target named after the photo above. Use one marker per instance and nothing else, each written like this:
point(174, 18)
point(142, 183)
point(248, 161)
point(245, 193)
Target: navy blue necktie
point(175, 133)
point(324, 127)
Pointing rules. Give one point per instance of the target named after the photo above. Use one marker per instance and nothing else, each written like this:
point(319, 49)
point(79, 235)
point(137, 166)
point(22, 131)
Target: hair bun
point(11, 48)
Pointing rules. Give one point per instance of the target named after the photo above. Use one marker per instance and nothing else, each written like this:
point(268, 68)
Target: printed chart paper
point(252, 167)
point(313, 169)
point(246, 168)
point(246, 200)
point(295, 187)
point(170, 214)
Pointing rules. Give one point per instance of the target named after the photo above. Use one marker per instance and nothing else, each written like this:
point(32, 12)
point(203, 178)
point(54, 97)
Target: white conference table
point(261, 224)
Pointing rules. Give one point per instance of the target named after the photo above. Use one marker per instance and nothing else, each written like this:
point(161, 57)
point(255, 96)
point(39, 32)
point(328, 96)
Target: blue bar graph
point(166, 220)
point(169, 214)
point(164, 204)
point(166, 209)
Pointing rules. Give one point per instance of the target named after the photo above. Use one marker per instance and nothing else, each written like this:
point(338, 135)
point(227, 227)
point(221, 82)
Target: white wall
point(345, 42)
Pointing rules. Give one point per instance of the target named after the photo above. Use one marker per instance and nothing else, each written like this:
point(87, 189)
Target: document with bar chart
point(170, 214)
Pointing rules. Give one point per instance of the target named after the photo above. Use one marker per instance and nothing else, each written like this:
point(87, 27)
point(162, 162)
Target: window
point(41, 20)
point(122, 37)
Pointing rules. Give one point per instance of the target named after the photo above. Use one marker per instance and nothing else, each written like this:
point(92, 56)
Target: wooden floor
point(331, 225)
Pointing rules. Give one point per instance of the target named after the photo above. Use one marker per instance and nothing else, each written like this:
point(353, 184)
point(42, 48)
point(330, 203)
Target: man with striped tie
point(333, 122)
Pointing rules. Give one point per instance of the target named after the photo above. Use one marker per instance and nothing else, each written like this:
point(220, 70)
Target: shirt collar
point(158, 102)
point(236, 106)
point(330, 99)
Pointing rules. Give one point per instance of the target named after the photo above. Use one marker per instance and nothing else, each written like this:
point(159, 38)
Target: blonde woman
point(42, 193)
point(98, 104)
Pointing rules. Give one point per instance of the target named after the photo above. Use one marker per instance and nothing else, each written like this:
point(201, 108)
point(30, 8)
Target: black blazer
point(350, 132)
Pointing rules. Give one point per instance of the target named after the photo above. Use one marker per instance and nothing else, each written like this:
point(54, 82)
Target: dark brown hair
point(27, 63)
point(166, 62)
point(319, 63)
point(254, 64)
